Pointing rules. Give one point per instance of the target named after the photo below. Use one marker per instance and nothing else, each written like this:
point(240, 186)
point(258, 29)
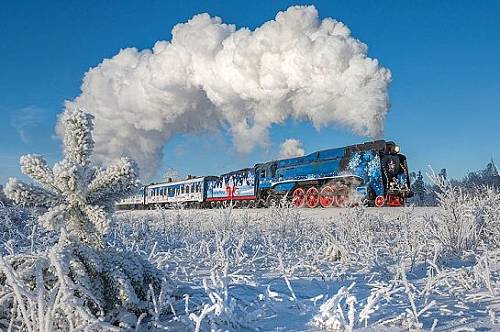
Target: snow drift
point(212, 75)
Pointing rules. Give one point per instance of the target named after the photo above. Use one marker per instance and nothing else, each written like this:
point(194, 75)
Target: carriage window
point(187, 189)
point(263, 173)
point(182, 190)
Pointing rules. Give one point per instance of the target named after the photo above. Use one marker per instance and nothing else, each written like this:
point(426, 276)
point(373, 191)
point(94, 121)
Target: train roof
point(248, 169)
point(177, 182)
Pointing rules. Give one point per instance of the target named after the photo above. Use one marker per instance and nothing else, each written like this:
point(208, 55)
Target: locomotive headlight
point(396, 149)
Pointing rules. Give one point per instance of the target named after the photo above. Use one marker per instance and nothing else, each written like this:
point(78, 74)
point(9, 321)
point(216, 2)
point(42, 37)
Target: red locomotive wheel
point(340, 200)
point(298, 198)
point(326, 196)
point(379, 201)
point(312, 197)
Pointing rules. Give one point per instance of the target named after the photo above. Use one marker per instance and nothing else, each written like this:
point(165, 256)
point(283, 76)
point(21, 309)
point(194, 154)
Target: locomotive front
point(395, 176)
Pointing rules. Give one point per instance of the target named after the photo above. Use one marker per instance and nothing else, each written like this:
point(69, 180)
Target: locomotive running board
point(273, 184)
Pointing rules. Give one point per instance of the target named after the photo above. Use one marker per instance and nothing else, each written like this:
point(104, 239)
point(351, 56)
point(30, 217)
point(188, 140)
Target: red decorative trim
point(393, 200)
point(234, 198)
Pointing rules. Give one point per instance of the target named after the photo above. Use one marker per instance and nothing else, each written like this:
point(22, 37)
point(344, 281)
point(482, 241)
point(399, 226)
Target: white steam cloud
point(291, 147)
point(213, 76)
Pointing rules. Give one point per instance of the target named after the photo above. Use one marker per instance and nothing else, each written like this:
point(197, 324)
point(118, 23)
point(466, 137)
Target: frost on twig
point(78, 196)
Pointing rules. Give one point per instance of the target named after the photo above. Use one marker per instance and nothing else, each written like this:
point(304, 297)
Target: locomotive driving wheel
point(312, 197)
point(326, 196)
point(298, 198)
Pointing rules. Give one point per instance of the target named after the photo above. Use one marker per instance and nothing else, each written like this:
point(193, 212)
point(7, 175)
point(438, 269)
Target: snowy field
point(315, 214)
point(299, 270)
point(279, 269)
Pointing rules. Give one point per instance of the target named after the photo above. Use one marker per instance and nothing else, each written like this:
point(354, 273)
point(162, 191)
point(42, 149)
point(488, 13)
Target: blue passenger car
point(237, 187)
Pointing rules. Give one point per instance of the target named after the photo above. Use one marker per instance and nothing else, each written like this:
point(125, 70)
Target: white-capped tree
point(79, 196)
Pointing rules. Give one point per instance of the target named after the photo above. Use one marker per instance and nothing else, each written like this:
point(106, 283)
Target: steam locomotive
point(373, 173)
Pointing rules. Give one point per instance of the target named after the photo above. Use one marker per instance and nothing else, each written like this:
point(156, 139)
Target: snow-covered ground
point(283, 269)
point(317, 213)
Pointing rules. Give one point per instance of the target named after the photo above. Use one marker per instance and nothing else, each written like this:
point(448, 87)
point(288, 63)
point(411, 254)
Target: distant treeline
point(425, 193)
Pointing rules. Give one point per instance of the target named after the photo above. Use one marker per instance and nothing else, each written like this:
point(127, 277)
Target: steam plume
point(291, 147)
point(213, 76)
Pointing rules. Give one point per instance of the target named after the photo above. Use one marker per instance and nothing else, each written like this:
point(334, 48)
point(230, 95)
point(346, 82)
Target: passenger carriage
point(186, 193)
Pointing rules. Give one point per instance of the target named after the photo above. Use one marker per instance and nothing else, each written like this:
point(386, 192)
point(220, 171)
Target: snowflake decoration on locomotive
point(367, 166)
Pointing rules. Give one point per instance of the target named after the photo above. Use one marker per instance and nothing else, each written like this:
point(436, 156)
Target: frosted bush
point(17, 230)
point(465, 221)
point(332, 315)
point(73, 285)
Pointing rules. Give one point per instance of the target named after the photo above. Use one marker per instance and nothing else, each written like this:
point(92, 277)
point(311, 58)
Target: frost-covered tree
point(4, 201)
point(79, 197)
point(80, 281)
point(443, 174)
point(489, 177)
point(418, 187)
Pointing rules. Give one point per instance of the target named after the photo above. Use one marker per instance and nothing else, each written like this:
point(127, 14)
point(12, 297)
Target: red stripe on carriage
point(234, 198)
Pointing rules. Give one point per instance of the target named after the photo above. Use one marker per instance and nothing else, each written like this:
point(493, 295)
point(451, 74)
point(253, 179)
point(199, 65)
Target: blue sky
point(444, 57)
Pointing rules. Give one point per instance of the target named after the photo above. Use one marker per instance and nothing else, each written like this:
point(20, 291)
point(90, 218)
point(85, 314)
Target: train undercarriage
point(326, 193)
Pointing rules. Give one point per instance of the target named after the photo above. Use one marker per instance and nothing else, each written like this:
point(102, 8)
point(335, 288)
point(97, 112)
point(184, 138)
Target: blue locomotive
point(373, 173)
